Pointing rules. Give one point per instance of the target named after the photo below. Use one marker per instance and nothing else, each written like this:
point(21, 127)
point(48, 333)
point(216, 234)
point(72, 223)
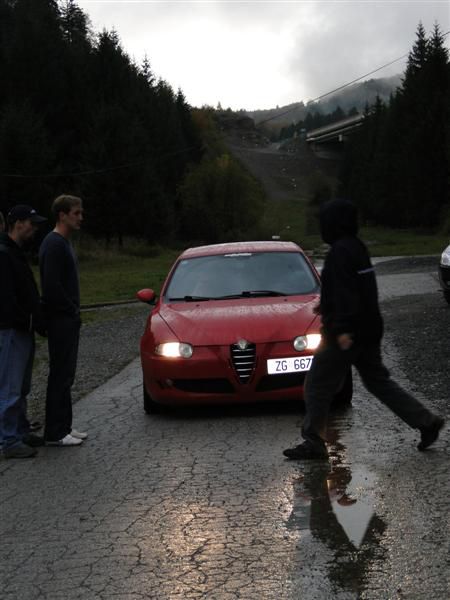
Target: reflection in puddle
point(334, 504)
point(353, 510)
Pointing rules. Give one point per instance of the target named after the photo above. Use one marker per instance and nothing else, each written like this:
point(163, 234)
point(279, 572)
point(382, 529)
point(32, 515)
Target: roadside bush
point(321, 189)
point(89, 248)
point(219, 201)
point(445, 229)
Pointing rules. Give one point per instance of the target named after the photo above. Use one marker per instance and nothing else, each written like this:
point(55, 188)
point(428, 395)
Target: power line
point(343, 86)
point(97, 171)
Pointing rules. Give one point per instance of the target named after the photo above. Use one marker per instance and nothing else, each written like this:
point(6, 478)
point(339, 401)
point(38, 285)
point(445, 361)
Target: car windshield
point(241, 275)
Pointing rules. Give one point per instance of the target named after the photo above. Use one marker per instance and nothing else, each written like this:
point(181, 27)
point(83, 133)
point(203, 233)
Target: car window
point(287, 273)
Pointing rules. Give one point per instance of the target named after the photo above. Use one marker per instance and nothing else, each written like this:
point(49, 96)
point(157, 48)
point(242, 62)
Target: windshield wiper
point(190, 299)
point(251, 294)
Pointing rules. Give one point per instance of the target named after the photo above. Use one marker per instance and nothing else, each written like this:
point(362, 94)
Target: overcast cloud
point(259, 54)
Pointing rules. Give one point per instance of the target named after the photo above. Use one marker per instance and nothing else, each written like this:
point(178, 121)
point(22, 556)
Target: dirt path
point(284, 175)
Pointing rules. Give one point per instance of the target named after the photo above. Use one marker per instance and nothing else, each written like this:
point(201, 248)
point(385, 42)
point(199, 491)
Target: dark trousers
point(16, 365)
point(63, 338)
point(325, 378)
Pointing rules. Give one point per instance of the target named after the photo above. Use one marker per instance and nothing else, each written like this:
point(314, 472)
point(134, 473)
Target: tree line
point(78, 116)
point(397, 165)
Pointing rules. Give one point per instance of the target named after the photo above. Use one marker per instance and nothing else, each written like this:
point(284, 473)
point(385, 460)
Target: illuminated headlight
point(445, 258)
point(307, 342)
point(174, 350)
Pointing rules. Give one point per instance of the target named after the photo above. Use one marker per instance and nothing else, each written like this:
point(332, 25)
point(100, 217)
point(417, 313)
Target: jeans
point(16, 365)
point(327, 373)
point(63, 338)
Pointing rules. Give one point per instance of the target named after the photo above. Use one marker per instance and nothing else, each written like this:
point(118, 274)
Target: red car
point(235, 323)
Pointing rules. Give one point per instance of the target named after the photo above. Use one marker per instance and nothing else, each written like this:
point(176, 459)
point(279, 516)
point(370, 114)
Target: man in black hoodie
point(19, 317)
point(352, 328)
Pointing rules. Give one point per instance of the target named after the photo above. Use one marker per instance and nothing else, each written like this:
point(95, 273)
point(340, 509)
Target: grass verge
point(290, 220)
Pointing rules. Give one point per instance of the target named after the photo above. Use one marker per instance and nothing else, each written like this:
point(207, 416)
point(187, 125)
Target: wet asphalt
point(202, 504)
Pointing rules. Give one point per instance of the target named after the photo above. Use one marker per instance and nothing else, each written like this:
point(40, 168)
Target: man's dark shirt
point(19, 295)
point(59, 276)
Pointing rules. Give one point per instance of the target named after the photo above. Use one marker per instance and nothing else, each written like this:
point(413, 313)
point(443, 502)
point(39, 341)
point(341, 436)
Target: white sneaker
point(78, 434)
point(68, 440)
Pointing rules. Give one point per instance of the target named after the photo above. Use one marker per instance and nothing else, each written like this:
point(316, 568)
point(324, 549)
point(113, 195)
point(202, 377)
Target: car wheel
point(447, 296)
point(150, 406)
point(344, 397)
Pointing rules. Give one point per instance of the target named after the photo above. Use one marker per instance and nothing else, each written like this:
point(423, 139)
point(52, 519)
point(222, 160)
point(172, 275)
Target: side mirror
point(147, 296)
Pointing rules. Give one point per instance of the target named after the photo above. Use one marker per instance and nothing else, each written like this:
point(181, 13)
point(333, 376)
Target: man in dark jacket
point(61, 305)
point(352, 328)
point(19, 317)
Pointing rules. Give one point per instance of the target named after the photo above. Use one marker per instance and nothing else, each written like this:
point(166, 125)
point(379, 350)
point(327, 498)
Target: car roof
point(240, 247)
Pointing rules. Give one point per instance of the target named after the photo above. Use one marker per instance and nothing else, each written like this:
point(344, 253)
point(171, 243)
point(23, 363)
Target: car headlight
point(174, 350)
point(445, 258)
point(310, 341)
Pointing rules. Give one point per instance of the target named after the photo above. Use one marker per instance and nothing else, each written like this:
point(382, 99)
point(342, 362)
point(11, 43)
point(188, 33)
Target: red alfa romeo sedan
point(234, 323)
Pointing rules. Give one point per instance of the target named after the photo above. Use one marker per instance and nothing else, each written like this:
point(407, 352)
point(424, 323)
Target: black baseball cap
point(22, 212)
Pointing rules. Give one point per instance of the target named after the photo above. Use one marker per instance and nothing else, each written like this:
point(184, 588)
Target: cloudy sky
point(258, 54)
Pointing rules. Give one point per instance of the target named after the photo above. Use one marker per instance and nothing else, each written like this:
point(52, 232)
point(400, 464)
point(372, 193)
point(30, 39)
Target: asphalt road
point(201, 504)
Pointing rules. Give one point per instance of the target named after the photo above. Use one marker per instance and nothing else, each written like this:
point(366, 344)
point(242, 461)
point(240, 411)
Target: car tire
point(447, 296)
point(150, 406)
point(344, 397)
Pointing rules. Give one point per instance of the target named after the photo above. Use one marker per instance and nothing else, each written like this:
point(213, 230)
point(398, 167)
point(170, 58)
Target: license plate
point(294, 364)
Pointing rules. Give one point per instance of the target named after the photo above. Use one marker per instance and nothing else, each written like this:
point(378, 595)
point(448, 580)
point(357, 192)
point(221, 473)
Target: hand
point(345, 341)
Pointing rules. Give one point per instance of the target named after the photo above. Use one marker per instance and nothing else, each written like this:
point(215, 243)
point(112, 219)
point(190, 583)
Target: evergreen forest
point(397, 166)
point(78, 116)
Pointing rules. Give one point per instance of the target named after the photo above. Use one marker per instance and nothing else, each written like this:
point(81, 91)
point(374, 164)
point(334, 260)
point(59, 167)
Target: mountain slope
point(356, 95)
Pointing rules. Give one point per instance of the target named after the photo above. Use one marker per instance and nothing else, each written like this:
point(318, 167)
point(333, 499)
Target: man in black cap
point(352, 328)
point(19, 318)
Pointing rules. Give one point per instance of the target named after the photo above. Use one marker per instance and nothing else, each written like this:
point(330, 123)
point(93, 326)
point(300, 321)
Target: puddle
point(334, 503)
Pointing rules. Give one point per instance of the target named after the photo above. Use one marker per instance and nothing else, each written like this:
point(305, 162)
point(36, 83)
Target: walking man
point(352, 328)
point(61, 306)
point(19, 317)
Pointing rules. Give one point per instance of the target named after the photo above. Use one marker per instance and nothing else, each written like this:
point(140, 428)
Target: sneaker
point(30, 439)
point(68, 440)
point(20, 451)
point(428, 435)
point(78, 434)
point(306, 451)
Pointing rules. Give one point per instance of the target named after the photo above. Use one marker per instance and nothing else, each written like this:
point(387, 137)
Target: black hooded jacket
point(19, 295)
point(349, 296)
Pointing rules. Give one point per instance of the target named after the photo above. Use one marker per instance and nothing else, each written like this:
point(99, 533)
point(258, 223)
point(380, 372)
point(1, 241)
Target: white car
point(444, 273)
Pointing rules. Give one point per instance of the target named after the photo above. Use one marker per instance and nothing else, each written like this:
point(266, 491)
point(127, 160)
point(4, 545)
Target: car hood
point(256, 320)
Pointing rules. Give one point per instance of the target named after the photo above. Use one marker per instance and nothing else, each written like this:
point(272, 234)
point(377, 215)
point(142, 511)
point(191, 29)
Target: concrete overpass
point(327, 142)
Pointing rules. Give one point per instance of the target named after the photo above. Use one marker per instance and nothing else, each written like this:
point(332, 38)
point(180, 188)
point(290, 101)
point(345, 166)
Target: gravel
point(420, 330)
point(419, 327)
point(109, 340)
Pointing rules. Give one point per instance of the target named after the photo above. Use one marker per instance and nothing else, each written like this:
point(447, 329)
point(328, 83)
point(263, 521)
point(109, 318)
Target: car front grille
point(243, 361)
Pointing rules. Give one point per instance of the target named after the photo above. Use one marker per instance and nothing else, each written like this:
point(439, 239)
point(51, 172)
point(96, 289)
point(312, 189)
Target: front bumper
point(211, 377)
point(444, 277)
